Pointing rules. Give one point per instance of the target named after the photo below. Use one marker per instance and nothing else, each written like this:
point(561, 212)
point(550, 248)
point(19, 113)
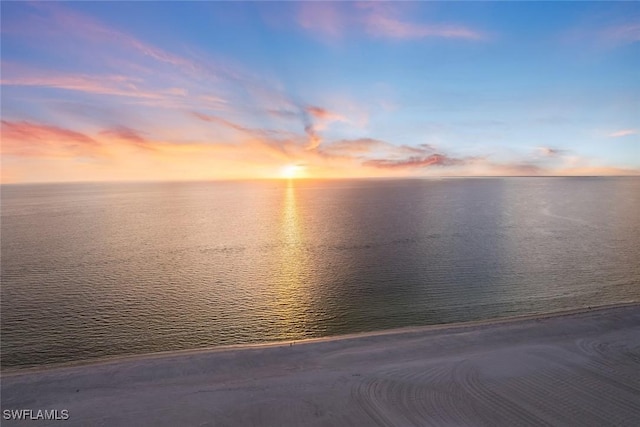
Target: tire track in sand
point(415, 396)
point(497, 409)
point(437, 394)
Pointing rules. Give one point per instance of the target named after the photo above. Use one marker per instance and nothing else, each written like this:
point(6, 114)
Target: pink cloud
point(101, 85)
point(414, 162)
point(315, 120)
point(605, 34)
point(62, 20)
point(381, 25)
point(127, 135)
point(376, 19)
point(321, 18)
point(550, 152)
point(623, 132)
point(353, 147)
point(220, 121)
point(381, 153)
point(274, 135)
point(23, 138)
point(30, 131)
point(622, 33)
point(158, 85)
point(422, 149)
point(321, 113)
point(314, 138)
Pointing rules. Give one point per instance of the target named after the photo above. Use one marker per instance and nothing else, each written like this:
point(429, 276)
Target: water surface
point(94, 270)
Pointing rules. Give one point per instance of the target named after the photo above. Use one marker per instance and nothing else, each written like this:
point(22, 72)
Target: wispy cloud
point(323, 114)
point(103, 85)
point(324, 18)
point(382, 25)
point(550, 152)
point(381, 20)
point(220, 121)
point(168, 108)
point(58, 20)
point(606, 30)
point(353, 147)
point(623, 33)
point(126, 134)
point(169, 80)
point(315, 119)
point(369, 148)
point(623, 132)
point(272, 136)
point(377, 154)
point(415, 162)
point(23, 138)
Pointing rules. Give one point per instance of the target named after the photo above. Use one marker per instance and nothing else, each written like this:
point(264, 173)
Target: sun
point(293, 171)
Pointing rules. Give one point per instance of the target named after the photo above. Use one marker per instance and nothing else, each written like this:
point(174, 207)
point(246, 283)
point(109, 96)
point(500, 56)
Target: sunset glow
point(293, 171)
point(209, 90)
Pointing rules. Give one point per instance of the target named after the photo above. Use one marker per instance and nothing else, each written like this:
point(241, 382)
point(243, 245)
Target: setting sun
point(293, 171)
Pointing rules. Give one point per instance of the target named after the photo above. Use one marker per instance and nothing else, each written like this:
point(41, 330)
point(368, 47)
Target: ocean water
point(95, 270)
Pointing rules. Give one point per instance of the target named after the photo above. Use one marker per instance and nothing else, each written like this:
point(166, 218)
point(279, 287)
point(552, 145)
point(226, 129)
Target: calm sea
point(94, 270)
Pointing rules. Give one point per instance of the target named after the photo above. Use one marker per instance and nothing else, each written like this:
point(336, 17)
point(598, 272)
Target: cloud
point(153, 108)
point(314, 139)
point(550, 152)
point(382, 20)
point(29, 139)
point(123, 132)
point(141, 69)
point(623, 132)
point(353, 147)
point(369, 148)
point(622, 33)
point(606, 31)
point(280, 143)
point(421, 149)
point(61, 20)
point(273, 137)
point(23, 138)
point(323, 18)
point(380, 25)
point(323, 114)
point(170, 81)
point(220, 121)
point(101, 85)
point(257, 151)
point(314, 119)
point(127, 135)
point(282, 114)
point(414, 162)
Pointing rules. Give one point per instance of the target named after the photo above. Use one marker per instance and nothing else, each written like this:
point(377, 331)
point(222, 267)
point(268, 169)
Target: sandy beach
point(573, 369)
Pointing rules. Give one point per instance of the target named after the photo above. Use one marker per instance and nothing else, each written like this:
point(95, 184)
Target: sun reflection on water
point(291, 292)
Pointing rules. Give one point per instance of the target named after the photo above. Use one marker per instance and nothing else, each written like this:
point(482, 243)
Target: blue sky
point(200, 90)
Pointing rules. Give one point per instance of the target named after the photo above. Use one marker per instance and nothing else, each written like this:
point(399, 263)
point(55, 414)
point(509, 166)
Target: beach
point(574, 368)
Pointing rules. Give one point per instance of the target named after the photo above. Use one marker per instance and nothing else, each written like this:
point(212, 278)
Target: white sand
point(580, 369)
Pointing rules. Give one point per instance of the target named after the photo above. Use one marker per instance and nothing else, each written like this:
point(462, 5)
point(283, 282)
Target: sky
point(117, 91)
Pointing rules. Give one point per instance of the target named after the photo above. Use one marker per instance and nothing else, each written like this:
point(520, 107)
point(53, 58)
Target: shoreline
point(442, 327)
point(577, 367)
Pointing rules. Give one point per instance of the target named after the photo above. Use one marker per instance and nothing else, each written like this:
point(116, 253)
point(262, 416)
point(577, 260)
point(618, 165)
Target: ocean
point(94, 270)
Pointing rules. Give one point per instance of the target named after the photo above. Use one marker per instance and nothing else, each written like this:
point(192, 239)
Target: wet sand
point(574, 369)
